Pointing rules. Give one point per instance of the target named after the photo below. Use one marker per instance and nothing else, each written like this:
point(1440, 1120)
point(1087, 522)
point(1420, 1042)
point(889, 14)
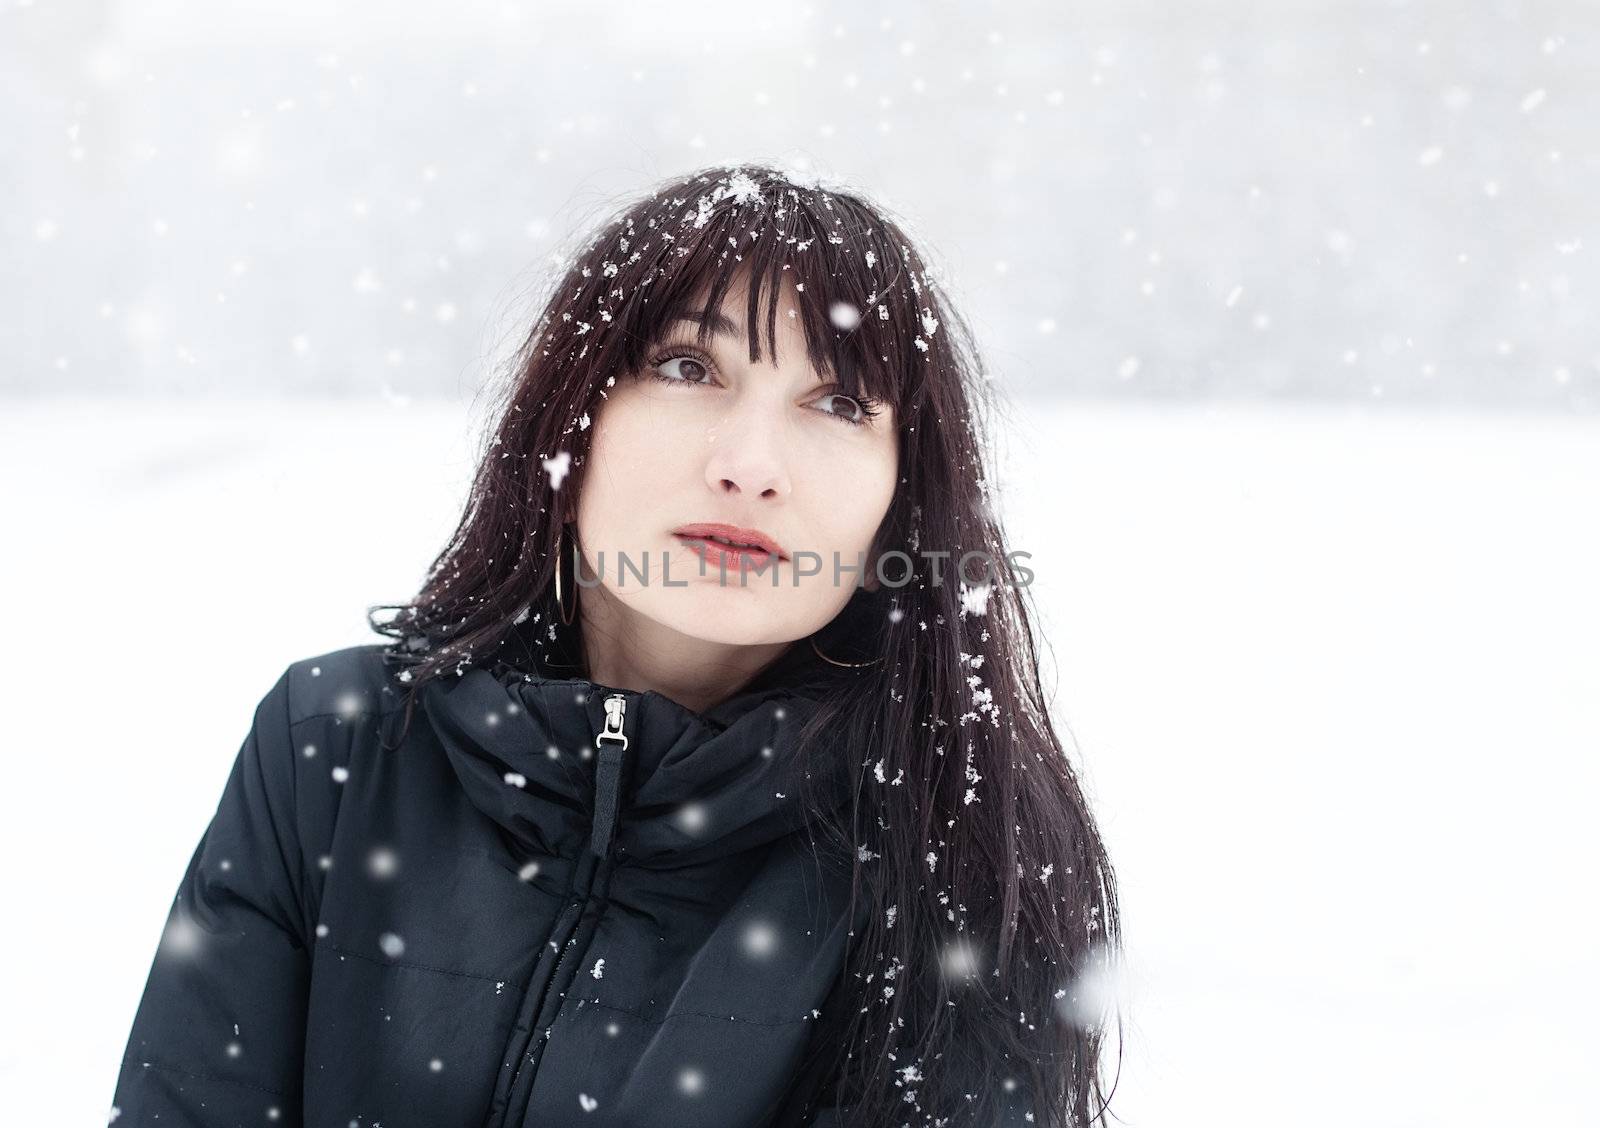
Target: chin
point(720, 617)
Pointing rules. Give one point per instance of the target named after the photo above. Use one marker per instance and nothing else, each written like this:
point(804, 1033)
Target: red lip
point(749, 538)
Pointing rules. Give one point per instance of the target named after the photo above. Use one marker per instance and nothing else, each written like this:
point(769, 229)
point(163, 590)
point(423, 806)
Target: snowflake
point(556, 468)
point(975, 601)
point(818, 181)
point(743, 189)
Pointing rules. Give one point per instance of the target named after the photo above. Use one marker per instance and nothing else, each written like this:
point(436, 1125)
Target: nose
point(749, 454)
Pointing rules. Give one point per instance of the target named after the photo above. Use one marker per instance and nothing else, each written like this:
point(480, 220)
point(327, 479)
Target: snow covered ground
point(1333, 677)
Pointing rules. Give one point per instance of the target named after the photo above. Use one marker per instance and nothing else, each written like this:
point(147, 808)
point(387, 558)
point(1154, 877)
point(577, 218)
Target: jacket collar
point(694, 786)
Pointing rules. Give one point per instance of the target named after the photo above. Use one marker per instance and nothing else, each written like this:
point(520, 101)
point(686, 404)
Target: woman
point(708, 780)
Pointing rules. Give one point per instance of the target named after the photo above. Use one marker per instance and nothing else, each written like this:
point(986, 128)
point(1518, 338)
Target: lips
point(733, 537)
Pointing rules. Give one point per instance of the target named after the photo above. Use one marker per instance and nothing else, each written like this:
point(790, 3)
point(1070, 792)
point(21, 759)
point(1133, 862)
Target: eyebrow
point(721, 325)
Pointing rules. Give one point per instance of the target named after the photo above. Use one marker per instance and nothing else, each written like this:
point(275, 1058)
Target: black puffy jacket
point(555, 903)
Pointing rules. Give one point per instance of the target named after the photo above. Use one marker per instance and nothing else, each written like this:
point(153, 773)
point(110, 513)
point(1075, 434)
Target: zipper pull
point(608, 773)
point(616, 712)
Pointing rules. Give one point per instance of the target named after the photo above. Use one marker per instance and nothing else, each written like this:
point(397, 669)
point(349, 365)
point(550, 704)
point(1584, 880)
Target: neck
point(626, 651)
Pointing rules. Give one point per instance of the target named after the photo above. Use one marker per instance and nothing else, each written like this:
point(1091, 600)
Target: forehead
point(733, 304)
point(727, 323)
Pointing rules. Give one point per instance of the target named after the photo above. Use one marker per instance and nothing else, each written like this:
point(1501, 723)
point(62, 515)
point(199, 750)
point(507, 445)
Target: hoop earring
point(836, 662)
point(561, 607)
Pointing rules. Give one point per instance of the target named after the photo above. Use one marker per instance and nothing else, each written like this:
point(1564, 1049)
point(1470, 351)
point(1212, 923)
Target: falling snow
point(382, 862)
point(182, 935)
point(556, 468)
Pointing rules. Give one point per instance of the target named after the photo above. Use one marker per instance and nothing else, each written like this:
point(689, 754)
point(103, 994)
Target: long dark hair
point(993, 902)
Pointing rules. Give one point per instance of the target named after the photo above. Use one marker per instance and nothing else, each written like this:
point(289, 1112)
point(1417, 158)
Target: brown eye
point(852, 412)
point(863, 409)
point(693, 372)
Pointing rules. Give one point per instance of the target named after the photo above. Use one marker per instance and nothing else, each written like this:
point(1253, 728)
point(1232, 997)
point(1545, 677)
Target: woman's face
point(708, 437)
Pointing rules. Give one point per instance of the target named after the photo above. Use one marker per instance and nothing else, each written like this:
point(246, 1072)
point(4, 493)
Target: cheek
point(856, 492)
point(624, 465)
point(632, 448)
point(620, 428)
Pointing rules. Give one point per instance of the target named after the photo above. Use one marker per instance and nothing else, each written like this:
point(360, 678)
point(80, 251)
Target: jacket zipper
point(608, 774)
point(539, 1010)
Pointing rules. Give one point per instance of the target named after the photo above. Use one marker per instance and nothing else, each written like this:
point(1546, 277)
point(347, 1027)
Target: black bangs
point(855, 284)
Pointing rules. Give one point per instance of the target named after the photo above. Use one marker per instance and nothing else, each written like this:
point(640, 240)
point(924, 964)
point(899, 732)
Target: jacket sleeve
point(219, 1034)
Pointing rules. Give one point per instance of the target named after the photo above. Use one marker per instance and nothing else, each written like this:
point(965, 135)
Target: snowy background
point(1294, 304)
